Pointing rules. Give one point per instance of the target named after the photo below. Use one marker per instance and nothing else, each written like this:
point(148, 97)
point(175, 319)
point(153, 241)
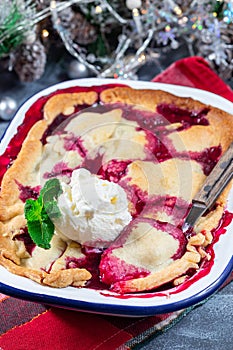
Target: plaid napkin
point(27, 325)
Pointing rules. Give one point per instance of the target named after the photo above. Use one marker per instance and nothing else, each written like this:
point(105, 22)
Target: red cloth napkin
point(27, 325)
point(195, 72)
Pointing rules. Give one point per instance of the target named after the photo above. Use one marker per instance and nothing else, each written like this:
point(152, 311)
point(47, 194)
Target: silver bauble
point(8, 107)
point(207, 36)
point(77, 69)
point(132, 4)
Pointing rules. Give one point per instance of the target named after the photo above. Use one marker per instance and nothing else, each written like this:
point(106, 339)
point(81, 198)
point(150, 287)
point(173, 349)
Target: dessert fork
point(213, 186)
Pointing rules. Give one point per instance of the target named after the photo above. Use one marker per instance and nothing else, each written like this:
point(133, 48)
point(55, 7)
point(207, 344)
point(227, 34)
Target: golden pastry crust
point(24, 171)
point(218, 132)
point(25, 167)
point(59, 279)
point(140, 172)
point(175, 271)
point(149, 99)
point(65, 103)
point(186, 180)
point(189, 260)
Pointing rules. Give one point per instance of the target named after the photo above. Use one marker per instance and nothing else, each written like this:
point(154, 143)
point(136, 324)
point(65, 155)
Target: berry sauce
point(207, 158)
point(90, 261)
point(26, 239)
point(60, 169)
point(165, 115)
point(114, 170)
point(187, 118)
point(26, 192)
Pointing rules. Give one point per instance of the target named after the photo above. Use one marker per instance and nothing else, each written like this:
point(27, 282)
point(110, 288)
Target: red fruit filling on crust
point(144, 246)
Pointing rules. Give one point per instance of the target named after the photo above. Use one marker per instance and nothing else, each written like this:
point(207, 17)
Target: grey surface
point(209, 326)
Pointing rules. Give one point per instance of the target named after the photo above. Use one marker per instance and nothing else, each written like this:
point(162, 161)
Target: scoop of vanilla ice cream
point(94, 211)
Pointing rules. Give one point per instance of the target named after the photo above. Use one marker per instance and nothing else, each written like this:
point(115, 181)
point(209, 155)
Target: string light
point(98, 9)
point(53, 4)
point(182, 21)
point(135, 12)
point(178, 10)
point(142, 58)
point(45, 33)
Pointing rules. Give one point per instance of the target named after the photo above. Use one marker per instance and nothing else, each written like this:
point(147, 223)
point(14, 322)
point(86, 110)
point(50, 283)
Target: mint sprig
point(40, 212)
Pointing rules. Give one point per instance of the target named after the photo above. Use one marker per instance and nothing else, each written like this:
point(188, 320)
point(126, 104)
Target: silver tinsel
point(217, 48)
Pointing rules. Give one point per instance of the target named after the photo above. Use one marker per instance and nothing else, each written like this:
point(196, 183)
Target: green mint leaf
point(41, 232)
point(32, 209)
point(51, 190)
point(52, 209)
point(40, 212)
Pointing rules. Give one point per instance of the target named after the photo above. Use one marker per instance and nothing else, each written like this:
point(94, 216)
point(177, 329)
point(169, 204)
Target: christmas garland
point(114, 38)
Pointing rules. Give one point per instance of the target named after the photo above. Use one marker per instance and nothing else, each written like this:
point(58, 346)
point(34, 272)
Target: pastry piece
point(144, 247)
point(156, 147)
